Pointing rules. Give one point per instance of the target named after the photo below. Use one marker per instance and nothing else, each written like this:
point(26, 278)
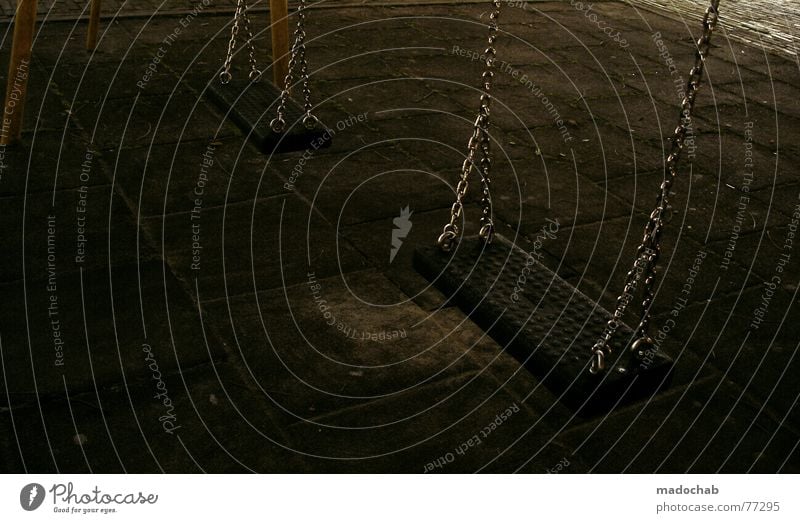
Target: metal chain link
point(487, 225)
point(309, 120)
point(255, 74)
point(649, 250)
point(479, 143)
point(240, 15)
point(225, 76)
point(297, 64)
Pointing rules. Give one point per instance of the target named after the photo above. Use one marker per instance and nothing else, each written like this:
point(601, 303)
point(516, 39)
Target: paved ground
point(768, 24)
point(175, 301)
point(772, 25)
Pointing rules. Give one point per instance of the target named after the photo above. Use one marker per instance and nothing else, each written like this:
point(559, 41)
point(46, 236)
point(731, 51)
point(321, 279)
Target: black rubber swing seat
point(251, 106)
point(548, 325)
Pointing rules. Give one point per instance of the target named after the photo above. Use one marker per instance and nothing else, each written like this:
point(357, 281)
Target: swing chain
point(225, 76)
point(297, 62)
point(255, 74)
point(649, 250)
point(240, 15)
point(479, 143)
point(687, 108)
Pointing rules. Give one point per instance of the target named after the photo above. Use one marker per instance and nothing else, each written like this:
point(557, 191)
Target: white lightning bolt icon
point(402, 226)
point(32, 495)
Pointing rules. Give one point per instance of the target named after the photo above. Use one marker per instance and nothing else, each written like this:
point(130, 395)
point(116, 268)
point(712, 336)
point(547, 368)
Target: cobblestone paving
point(774, 24)
point(220, 310)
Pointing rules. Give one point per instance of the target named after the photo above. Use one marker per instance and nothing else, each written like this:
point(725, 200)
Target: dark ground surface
point(252, 378)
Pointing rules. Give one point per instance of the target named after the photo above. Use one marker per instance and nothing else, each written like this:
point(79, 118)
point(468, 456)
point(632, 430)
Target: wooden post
point(279, 18)
point(18, 70)
point(94, 25)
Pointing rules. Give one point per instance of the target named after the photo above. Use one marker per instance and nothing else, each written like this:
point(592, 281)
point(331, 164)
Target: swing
point(561, 335)
point(293, 128)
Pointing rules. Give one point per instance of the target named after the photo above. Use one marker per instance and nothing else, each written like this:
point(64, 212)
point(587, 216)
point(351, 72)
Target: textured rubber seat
point(546, 323)
point(251, 106)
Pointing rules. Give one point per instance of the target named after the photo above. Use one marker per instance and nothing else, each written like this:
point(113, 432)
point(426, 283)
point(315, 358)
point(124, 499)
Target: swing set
point(247, 100)
point(566, 339)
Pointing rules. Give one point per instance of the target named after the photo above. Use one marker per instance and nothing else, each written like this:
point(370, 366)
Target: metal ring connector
point(255, 76)
point(598, 362)
point(277, 125)
point(638, 346)
point(447, 239)
point(487, 232)
point(225, 77)
point(310, 121)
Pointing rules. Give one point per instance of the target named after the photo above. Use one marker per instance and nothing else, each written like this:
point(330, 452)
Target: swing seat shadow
point(545, 323)
point(251, 106)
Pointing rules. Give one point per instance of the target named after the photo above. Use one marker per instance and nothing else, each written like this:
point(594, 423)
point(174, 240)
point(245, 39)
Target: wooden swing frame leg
point(18, 71)
point(279, 19)
point(94, 25)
